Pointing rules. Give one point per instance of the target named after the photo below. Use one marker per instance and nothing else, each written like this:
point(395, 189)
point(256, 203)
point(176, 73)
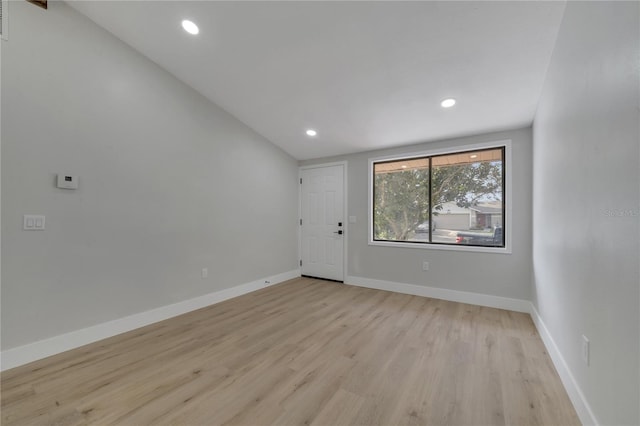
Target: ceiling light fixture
point(190, 27)
point(448, 103)
point(473, 156)
point(311, 132)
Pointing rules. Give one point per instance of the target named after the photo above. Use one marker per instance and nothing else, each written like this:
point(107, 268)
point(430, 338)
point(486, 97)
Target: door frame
point(345, 209)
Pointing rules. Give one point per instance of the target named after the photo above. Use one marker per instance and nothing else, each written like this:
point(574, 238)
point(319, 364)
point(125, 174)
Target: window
point(452, 199)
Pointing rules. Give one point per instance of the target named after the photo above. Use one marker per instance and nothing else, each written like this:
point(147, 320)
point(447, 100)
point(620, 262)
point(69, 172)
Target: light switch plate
point(32, 222)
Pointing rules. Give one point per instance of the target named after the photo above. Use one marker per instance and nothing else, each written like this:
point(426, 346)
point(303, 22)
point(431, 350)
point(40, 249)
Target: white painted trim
point(450, 247)
point(345, 210)
point(582, 407)
point(452, 150)
point(319, 166)
point(20, 355)
point(518, 305)
point(444, 150)
point(34, 351)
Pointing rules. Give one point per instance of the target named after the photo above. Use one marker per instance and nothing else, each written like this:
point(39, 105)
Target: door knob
point(338, 232)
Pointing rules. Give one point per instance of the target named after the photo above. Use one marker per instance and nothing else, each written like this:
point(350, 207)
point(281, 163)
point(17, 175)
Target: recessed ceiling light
point(448, 103)
point(190, 27)
point(311, 132)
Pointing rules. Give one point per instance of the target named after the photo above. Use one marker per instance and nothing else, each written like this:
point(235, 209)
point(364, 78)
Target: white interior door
point(323, 226)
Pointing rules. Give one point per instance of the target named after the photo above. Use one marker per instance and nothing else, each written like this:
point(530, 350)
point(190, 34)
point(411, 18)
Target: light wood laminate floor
point(304, 352)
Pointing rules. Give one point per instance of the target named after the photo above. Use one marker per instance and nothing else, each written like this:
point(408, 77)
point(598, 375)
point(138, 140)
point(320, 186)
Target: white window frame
point(508, 216)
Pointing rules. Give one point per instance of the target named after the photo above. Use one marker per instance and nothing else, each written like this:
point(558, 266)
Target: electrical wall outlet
point(585, 350)
point(425, 266)
point(205, 272)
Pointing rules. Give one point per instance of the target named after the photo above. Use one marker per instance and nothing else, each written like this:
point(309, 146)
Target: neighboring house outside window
point(453, 199)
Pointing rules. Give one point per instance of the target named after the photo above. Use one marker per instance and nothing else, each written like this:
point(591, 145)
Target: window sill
point(446, 247)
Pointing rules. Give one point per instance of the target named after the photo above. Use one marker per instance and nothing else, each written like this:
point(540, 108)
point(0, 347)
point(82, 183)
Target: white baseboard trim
point(582, 407)
point(499, 302)
point(571, 386)
point(41, 349)
point(21, 355)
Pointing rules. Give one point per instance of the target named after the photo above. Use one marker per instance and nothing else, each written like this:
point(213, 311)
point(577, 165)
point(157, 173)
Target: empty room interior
point(320, 213)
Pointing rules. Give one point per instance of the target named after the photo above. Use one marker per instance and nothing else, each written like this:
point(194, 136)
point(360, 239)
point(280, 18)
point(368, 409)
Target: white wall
point(504, 275)
point(587, 206)
point(169, 183)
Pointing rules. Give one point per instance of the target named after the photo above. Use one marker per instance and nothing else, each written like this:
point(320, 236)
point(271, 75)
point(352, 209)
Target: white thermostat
point(67, 181)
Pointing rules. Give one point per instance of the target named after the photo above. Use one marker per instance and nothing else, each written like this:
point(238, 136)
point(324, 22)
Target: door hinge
point(300, 262)
point(300, 222)
point(300, 181)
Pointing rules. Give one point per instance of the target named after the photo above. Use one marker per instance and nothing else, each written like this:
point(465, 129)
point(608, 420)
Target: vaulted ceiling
point(365, 75)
